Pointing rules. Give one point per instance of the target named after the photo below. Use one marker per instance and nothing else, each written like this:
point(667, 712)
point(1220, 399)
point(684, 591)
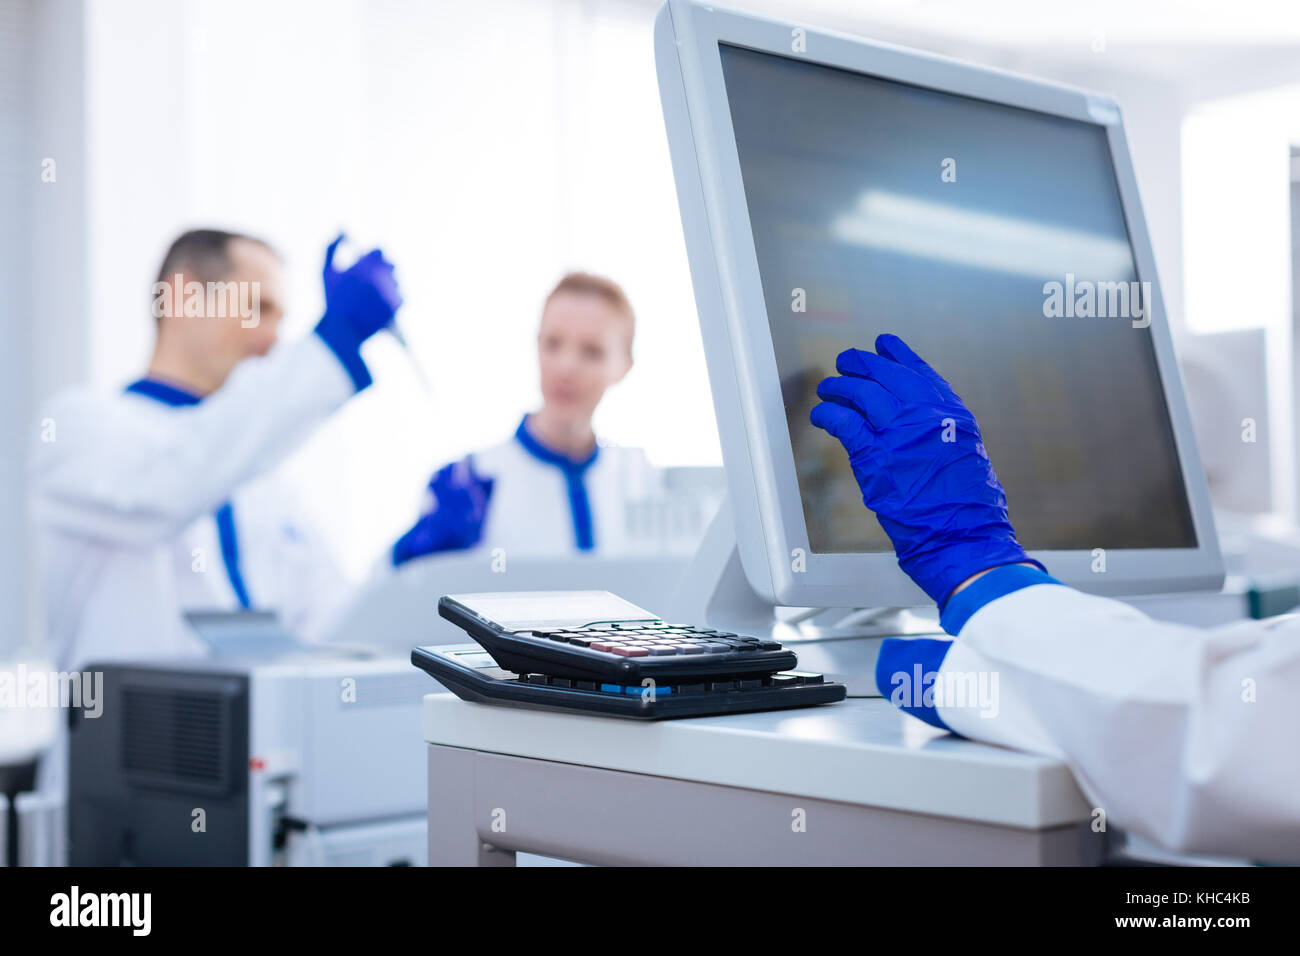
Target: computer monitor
point(833, 188)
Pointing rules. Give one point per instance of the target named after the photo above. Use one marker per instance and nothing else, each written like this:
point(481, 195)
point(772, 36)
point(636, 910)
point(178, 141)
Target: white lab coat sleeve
point(120, 471)
point(1185, 736)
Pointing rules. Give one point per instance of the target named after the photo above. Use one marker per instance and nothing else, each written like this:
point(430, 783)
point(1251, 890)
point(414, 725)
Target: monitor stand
point(841, 643)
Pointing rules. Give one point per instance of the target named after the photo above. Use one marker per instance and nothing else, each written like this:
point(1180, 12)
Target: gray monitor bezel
point(771, 533)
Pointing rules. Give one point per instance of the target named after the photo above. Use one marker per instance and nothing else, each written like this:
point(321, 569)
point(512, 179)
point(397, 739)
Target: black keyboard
point(626, 651)
point(472, 674)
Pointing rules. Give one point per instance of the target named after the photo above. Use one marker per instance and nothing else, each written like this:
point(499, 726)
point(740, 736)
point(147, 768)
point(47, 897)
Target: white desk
point(871, 786)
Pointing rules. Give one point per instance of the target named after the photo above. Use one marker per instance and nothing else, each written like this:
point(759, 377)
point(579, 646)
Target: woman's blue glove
point(917, 454)
point(359, 301)
point(455, 521)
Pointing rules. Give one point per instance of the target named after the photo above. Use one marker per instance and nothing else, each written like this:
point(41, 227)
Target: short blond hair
point(584, 283)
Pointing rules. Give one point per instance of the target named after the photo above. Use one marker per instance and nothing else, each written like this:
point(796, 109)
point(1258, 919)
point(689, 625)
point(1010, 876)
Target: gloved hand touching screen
point(919, 459)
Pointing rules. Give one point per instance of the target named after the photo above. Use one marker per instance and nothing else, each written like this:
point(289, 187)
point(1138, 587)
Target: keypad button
point(628, 651)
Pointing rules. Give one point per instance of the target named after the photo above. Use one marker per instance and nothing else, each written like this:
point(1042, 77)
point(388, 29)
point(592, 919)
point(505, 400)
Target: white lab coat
point(1188, 737)
point(124, 497)
point(531, 511)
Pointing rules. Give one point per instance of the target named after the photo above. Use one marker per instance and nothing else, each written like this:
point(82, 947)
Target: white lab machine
point(311, 760)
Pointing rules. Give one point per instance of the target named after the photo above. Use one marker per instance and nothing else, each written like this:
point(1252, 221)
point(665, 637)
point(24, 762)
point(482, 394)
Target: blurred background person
point(159, 498)
point(552, 488)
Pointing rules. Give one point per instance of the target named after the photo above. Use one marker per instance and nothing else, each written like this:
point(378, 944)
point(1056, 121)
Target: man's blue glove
point(359, 301)
point(917, 454)
point(460, 500)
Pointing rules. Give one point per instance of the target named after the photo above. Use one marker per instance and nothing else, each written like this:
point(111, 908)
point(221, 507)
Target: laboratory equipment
point(288, 761)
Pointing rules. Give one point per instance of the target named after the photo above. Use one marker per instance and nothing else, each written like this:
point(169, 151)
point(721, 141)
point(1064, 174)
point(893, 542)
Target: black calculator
point(598, 636)
point(592, 652)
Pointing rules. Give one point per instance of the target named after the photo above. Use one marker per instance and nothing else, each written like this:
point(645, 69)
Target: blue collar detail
point(550, 455)
point(163, 392)
point(579, 504)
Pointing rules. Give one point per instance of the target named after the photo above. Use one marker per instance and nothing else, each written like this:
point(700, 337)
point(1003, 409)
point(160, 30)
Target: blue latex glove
point(359, 301)
point(365, 295)
point(460, 500)
point(939, 501)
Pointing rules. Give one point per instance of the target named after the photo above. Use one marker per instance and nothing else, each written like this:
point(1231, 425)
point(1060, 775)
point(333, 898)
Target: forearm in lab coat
point(120, 473)
point(1189, 737)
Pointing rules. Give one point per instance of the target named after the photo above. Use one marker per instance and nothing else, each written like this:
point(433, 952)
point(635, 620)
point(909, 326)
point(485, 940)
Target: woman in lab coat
point(1187, 737)
point(551, 488)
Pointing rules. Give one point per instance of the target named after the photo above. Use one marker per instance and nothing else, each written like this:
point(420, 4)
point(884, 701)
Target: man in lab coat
point(551, 488)
point(156, 500)
point(1187, 737)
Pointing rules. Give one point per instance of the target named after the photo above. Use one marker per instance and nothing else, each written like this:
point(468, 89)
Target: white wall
point(42, 264)
point(1236, 200)
point(16, 170)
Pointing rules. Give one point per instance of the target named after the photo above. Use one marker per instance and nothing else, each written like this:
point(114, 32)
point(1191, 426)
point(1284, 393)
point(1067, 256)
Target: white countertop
point(860, 751)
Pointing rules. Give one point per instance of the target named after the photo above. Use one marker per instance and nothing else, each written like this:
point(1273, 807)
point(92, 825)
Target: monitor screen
point(974, 231)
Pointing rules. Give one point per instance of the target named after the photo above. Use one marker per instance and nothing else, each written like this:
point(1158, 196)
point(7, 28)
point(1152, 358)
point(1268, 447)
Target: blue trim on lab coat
point(225, 515)
point(997, 583)
point(162, 392)
point(907, 668)
point(579, 503)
